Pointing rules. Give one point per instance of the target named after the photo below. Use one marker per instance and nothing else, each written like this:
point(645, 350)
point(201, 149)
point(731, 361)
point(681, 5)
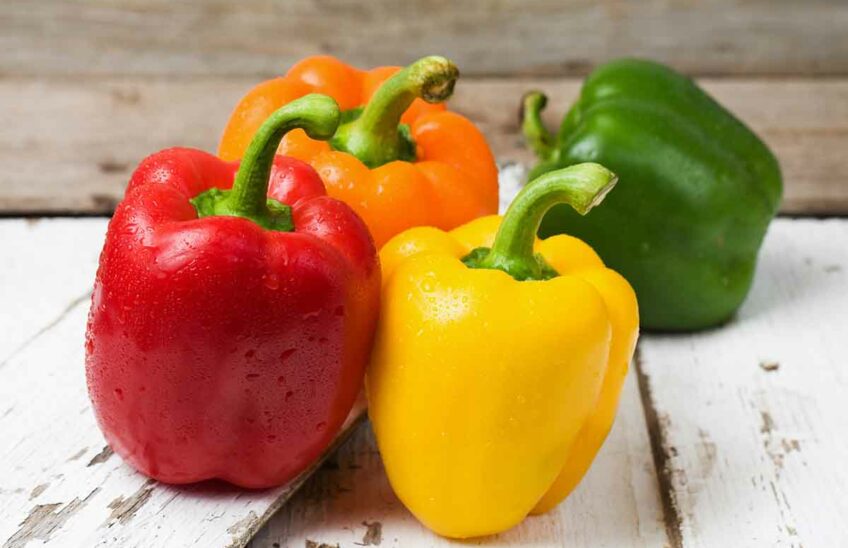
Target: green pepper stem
point(374, 136)
point(582, 186)
point(316, 114)
point(535, 133)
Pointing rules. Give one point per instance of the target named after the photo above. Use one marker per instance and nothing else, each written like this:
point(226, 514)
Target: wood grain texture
point(60, 485)
point(69, 145)
point(491, 37)
point(349, 501)
point(750, 418)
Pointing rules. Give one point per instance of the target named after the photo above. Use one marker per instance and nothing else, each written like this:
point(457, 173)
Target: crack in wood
point(101, 457)
point(37, 490)
point(78, 454)
point(242, 530)
point(373, 534)
point(662, 455)
point(44, 520)
point(53, 323)
point(124, 510)
point(313, 544)
point(112, 166)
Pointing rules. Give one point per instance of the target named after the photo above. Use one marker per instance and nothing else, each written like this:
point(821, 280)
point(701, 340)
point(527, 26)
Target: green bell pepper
point(697, 189)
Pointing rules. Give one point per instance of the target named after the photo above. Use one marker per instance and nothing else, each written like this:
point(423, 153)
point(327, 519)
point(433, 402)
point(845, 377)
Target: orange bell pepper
point(399, 159)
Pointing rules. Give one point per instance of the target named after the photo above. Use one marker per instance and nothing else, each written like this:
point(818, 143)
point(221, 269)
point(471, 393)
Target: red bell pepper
point(228, 332)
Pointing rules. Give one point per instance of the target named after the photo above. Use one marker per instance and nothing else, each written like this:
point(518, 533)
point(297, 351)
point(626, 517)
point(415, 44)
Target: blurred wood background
point(88, 88)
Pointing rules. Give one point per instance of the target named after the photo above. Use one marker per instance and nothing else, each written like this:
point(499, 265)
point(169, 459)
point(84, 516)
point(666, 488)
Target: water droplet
point(119, 394)
point(320, 426)
point(287, 354)
point(289, 394)
point(311, 315)
point(271, 281)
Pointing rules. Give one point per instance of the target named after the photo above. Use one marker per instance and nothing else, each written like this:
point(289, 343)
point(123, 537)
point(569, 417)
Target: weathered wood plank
point(349, 502)
point(59, 483)
point(750, 418)
point(69, 145)
point(547, 37)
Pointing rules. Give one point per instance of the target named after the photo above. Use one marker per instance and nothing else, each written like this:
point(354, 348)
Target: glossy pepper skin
point(496, 373)
point(400, 159)
point(229, 333)
point(697, 191)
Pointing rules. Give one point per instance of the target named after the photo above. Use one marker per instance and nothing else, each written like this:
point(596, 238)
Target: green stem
point(316, 114)
point(375, 137)
point(582, 186)
point(535, 133)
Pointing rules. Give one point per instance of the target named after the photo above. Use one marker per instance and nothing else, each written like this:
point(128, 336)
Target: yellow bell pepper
point(498, 361)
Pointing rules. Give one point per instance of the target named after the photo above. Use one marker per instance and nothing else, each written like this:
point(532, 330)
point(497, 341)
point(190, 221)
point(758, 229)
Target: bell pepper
point(498, 361)
point(698, 189)
point(398, 158)
point(231, 322)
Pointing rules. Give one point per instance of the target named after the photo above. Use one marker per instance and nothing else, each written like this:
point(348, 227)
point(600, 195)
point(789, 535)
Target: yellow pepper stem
point(582, 186)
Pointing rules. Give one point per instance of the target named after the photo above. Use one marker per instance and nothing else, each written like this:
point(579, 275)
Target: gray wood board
point(68, 145)
point(490, 37)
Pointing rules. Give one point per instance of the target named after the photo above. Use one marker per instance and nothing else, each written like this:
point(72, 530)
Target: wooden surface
point(751, 418)
point(730, 437)
point(747, 424)
point(490, 37)
point(348, 500)
point(60, 484)
point(69, 145)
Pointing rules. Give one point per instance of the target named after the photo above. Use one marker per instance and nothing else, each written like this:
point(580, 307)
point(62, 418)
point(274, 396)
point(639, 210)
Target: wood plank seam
point(243, 534)
point(662, 454)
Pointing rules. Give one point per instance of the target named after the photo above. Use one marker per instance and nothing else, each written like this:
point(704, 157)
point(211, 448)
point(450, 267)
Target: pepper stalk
point(582, 186)
point(318, 115)
point(375, 136)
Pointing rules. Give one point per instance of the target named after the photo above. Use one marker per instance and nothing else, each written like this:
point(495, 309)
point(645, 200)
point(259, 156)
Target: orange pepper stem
point(316, 114)
point(375, 137)
point(582, 186)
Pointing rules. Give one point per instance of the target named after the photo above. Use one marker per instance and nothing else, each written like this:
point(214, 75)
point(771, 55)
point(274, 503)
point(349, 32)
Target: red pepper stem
point(535, 133)
point(374, 136)
point(582, 186)
point(316, 114)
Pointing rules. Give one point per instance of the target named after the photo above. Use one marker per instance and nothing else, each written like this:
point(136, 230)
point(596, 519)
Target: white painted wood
point(750, 423)
point(59, 483)
point(752, 417)
point(350, 502)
